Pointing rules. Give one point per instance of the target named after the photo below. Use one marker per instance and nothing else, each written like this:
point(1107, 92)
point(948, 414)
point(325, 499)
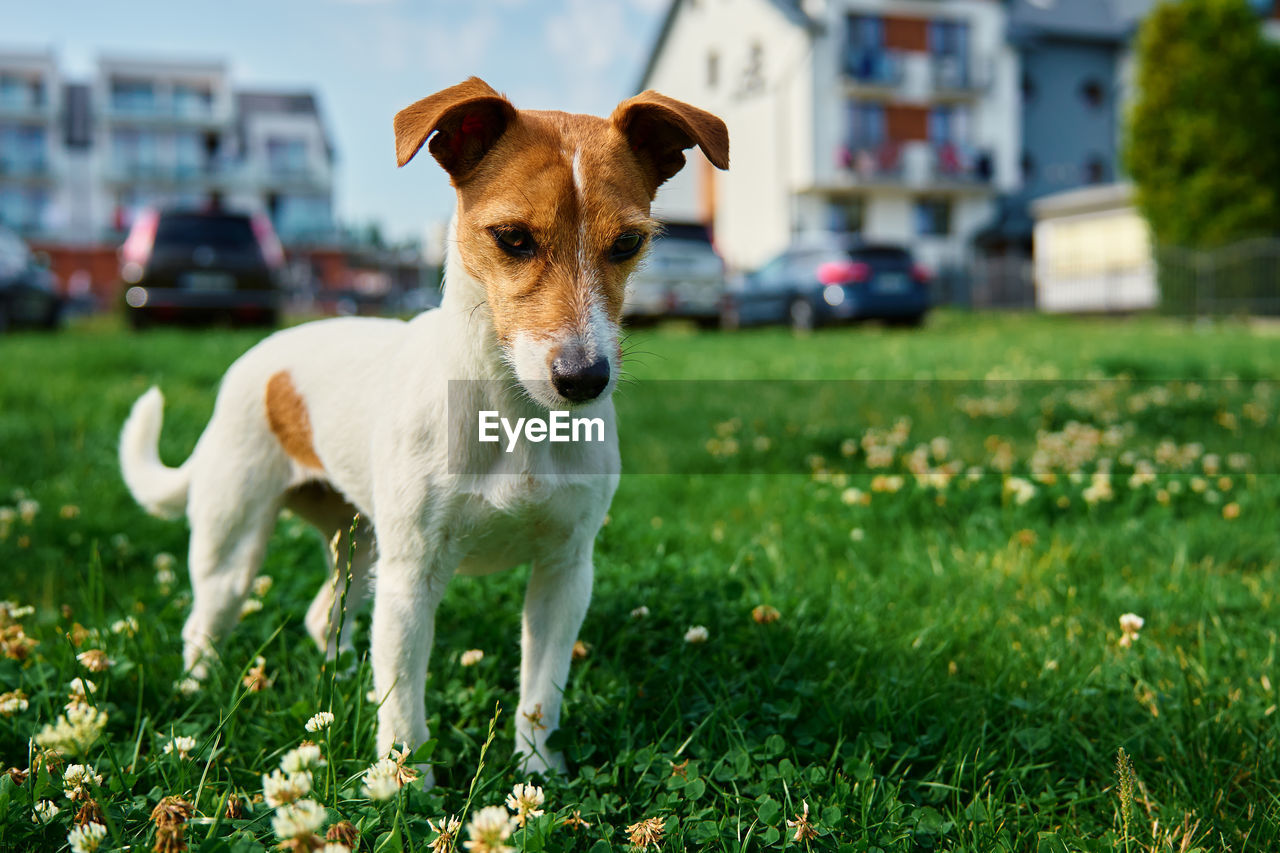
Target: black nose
point(577, 379)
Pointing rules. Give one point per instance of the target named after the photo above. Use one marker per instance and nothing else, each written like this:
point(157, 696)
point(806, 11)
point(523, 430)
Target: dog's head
point(553, 214)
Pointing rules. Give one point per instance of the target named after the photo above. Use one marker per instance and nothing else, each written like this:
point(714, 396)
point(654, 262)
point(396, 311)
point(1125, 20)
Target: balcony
point(957, 76)
point(201, 176)
point(867, 68)
point(29, 169)
point(914, 164)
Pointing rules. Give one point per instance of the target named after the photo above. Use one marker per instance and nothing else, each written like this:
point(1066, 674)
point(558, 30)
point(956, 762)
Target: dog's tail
point(161, 490)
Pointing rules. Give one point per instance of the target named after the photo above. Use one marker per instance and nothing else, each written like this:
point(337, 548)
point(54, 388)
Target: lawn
point(911, 569)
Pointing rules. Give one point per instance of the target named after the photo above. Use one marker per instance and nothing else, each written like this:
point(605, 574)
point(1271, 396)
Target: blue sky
point(366, 59)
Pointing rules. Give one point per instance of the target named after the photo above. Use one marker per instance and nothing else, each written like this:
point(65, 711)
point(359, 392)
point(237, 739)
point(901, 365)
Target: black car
point(27, 297)
point(201, 266)
point(830, 279)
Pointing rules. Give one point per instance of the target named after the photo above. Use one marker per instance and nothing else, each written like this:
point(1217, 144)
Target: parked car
point(183, 265)
point(829, 279)
point(682, 275)
point(27, 296)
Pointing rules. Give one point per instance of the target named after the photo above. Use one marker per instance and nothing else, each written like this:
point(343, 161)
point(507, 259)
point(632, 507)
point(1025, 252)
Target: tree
point(1203, 135)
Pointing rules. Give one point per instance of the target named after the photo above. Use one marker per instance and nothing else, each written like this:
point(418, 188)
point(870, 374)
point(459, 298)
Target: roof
point(1090, 199)
point(1087, 20)
point(790, 9)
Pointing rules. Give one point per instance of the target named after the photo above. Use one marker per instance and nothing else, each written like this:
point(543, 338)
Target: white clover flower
point(11, 611)
point(250, 605)
point(95, 660)
point(262, 585)
point(524, 800)
point(45, 811)
point(302, 758)
point(857, 534)
point(640, 612)
point(127, 626)
point(28, 509)
point(298, 820)
point(76, 779)
point(320, 721)
point(381, 780)
point(13, 702)
point(87, 838)
point(188, 686)
point(1021, 489)
point(183, 745)
point(471, 657)
point(488, 831)
point(74, 731)
point(335, 847)
point(281, 789)
point(1130, 625)
point(696, 634)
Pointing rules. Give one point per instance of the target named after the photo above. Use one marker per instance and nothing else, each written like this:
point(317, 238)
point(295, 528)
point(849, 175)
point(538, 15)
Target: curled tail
point(161, 490)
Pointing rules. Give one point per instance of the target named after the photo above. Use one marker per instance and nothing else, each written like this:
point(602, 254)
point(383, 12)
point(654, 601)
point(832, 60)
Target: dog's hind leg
point(231, 520)
point(327, 623)
point(555, 604)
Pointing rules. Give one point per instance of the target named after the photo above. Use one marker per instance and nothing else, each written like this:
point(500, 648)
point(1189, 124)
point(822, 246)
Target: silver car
point(682, 276)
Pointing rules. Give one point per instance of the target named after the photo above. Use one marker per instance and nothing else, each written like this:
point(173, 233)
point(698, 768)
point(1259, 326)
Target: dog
point(349, 415)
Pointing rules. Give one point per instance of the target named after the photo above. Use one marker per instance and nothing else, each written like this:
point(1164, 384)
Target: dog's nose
point(577, 379)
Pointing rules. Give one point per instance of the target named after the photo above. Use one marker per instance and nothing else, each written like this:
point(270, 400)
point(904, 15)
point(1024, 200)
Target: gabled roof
point(790, 10)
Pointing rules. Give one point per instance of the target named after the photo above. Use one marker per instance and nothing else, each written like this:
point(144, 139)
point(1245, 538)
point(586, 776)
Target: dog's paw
point(546, 764)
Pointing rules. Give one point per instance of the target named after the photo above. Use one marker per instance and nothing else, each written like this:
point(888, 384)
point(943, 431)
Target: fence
point(1243, 278)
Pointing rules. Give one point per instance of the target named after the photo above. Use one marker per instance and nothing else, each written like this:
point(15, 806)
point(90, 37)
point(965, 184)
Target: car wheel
point(803, 317)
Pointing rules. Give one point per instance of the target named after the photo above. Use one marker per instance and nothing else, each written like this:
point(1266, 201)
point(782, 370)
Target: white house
point(895, 118)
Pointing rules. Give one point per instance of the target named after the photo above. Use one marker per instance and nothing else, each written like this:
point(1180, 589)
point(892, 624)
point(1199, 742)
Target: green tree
point(1203, 135)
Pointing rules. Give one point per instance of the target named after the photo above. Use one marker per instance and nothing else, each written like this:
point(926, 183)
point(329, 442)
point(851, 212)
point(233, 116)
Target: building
point(79, 160)
point(1093, 252)
point(894, 118)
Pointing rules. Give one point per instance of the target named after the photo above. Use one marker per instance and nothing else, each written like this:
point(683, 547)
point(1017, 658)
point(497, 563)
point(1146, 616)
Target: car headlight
point(136, 297)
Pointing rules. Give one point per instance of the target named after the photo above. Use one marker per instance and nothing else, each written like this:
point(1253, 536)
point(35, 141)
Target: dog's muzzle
point(577, 377)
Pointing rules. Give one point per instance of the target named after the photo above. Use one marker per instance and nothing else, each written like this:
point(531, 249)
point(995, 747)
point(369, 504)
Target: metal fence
point(1243, 278)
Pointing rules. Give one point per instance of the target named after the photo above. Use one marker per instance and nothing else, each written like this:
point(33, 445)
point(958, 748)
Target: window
point(713, 69)
point(1028, 164)
point(847, 214)
point(133, 96)
point(194, 101)
point(1095, 170)
point(933, 217)
point(1092, 93)
point(1028, 88)
point(287, 156)
point(867, 126)
point(753, 75)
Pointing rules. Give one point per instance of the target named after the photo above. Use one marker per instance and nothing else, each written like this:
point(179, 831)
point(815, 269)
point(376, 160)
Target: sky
point(365, 60)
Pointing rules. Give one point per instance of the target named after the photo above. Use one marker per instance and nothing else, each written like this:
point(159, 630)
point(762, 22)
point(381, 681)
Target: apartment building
point(30, 147)
point(78, 160)
point(894, 118)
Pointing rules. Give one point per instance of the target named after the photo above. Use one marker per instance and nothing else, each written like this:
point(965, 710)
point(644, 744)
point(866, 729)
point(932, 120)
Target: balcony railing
point(956, 74)
point(915, 163)
point(24, 168)
point(873, 67)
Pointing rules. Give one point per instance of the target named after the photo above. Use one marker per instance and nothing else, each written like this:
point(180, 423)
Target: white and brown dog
point(353, 414)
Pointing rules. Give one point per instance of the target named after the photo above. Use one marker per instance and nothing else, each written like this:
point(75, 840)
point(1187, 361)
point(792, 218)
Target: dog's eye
point(516, 242)
point(625, 246)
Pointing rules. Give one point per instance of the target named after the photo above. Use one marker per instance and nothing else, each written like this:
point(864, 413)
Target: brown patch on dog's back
point(289, 421)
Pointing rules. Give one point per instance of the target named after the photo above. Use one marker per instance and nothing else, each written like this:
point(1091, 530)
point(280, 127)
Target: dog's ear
point(462, 122)
point(661, 128)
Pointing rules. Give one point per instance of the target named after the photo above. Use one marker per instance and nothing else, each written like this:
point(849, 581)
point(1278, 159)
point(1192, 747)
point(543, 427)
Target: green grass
point(946, 671)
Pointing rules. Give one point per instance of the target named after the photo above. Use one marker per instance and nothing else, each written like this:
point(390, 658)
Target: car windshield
point(882, 258)
point(217, 232)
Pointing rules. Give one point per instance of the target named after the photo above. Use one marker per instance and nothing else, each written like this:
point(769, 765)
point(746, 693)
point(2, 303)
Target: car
point(682, 275)
point(828, 279)
point(27, 296)
point(181, 265)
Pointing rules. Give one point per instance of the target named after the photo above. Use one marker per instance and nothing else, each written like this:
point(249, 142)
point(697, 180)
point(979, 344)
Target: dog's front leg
point(554, 607)
point(406, 594)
